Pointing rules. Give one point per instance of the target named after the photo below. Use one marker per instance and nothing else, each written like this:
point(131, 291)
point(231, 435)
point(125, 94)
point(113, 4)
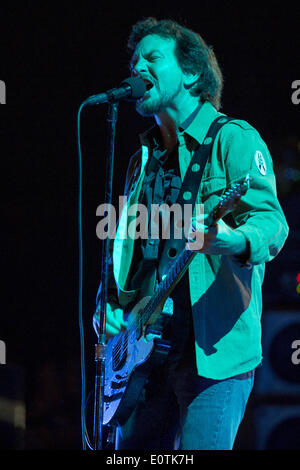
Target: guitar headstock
point(231, 198)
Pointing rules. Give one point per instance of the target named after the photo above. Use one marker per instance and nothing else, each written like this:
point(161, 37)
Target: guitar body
point(130, 358)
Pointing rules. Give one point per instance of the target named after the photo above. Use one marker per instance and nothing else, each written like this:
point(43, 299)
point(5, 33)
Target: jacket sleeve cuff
point(258, 251)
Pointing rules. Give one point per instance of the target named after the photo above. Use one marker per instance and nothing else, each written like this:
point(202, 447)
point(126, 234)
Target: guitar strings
point(142, 317)
point(136, 323)
point(138, 320)
point(148, 309)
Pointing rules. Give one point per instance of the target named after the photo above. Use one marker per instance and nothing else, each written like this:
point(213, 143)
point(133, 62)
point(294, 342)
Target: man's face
point(154, 60)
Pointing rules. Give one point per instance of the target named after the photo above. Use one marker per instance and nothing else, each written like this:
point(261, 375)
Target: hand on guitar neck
point(216, 239)
point(211, 235)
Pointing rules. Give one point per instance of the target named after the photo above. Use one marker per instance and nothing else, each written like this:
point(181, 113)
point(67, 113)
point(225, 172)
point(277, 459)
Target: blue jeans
point(186, 412)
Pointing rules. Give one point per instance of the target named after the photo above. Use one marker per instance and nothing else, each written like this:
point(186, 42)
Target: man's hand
point(217, 240)
point(114, 320)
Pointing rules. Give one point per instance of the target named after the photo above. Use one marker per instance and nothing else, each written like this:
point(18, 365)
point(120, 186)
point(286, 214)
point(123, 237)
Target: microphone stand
point(100, 347)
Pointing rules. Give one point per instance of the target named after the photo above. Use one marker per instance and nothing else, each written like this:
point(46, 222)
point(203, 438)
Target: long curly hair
point(192, 53)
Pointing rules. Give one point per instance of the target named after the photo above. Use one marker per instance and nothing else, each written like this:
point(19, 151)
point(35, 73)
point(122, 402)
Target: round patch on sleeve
point(260, 163)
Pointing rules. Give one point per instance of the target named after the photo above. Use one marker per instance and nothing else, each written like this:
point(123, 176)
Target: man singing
point(196, 398)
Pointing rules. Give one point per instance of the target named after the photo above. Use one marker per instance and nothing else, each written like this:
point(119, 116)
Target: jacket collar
point(197, 128)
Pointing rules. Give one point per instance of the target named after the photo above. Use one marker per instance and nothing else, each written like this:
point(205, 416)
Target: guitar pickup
point(151, 330)
point(118, 385)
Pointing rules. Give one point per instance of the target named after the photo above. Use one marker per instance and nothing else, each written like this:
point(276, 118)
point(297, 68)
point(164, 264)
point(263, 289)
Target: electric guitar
point(131, 355)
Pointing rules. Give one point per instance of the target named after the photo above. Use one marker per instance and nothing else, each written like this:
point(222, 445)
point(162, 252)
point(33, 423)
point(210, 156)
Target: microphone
point(132, 87)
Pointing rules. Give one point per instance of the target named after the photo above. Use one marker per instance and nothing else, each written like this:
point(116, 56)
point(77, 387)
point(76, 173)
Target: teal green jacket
point(226, 294)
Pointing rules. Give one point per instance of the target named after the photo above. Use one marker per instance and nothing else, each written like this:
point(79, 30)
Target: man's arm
point(260, 225)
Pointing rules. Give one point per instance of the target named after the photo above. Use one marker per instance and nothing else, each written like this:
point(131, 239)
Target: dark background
point(53, 56)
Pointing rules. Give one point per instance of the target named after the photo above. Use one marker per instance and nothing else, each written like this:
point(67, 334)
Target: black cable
point(80, 272)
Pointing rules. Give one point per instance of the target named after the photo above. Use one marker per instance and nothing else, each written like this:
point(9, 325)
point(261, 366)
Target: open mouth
point(148, 84)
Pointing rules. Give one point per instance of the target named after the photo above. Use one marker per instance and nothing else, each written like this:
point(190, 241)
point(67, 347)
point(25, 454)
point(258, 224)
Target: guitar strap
point(188, 192)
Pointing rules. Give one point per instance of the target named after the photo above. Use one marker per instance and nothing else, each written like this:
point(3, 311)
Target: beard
point(155, 104)
point(150, 106)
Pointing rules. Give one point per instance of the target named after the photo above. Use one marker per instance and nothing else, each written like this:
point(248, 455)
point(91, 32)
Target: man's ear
point(190, 79)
